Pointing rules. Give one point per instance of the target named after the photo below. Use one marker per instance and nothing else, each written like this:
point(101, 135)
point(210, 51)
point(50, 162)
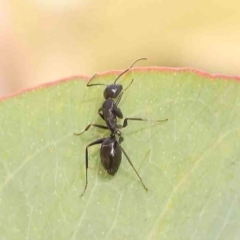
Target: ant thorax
point(110, 110)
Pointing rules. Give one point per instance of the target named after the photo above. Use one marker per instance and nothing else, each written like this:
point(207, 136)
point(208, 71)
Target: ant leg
point(91, 125)
point(121, 140)
point(125, 122)
point(117, 111)
point(100, 113)
point(99, 141)
point(120, 96)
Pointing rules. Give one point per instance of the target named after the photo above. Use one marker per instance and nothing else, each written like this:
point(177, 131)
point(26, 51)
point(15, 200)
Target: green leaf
point(190, 164)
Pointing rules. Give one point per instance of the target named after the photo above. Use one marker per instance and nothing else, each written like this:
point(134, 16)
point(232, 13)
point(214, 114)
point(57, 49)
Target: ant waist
point(115, 132)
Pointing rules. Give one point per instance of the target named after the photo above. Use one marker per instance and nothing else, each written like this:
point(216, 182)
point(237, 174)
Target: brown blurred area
point(45, 40)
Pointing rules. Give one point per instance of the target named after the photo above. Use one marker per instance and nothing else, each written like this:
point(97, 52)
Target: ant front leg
point(100, 113)
point(99, 141)
point(125, 121)
point(117, 111)
point(91, 125)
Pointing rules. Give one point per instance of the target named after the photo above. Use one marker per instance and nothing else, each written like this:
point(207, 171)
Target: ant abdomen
point(111, 155)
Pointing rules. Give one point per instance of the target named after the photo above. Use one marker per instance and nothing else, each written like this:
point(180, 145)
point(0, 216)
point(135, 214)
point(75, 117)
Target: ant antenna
point(94, 84)
point(129, 68)
point(101, 84)
point(120, 96)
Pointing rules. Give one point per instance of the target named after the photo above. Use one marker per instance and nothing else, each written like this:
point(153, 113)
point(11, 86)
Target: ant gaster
point(111, 156)
point(111, 150)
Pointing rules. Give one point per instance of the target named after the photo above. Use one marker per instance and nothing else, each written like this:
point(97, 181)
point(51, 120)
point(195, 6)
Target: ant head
point(112, 91)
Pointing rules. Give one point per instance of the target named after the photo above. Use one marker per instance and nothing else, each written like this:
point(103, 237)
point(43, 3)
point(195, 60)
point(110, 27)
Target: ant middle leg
point(91, 125)
point(99, 141)
point(125, 121)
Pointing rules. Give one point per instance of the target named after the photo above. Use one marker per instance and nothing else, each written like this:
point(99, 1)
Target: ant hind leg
point(133, 167)
point(99, 141)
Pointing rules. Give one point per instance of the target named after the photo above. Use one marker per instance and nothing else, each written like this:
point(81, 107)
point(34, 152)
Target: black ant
point(111, 150)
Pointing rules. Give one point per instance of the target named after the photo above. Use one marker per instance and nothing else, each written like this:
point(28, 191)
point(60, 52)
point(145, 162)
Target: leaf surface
point(190, 164)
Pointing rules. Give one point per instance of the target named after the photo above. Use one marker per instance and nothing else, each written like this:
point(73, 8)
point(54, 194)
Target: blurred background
point(46, 40)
